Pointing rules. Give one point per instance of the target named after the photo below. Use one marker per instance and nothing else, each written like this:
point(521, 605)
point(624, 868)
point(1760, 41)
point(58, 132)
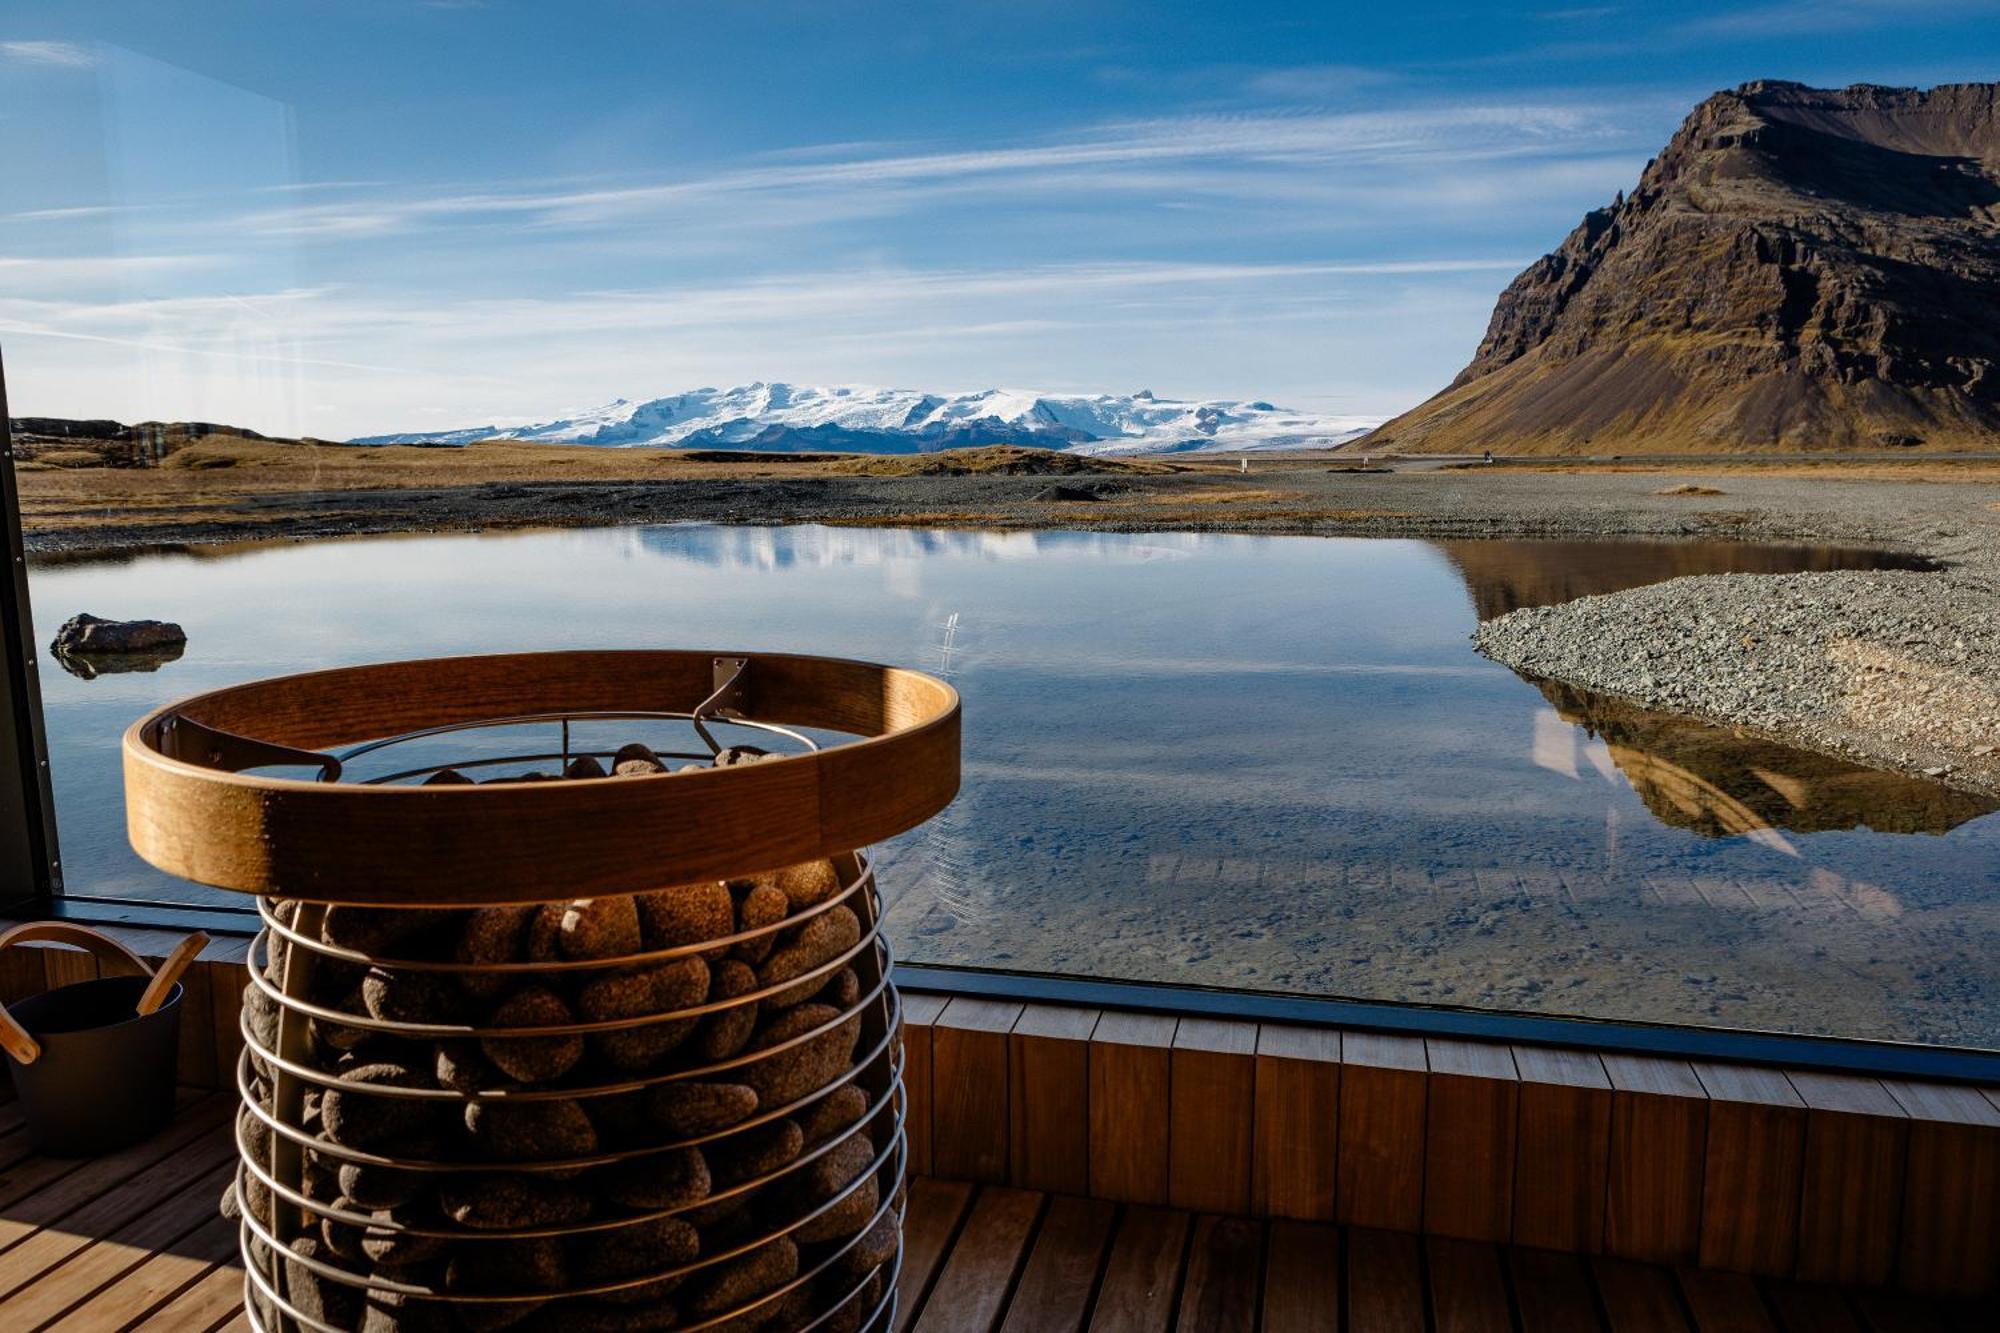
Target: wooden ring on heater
point(449, 846)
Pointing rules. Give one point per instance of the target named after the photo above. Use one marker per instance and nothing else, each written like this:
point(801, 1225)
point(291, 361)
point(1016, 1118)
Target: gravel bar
point(1896, 669)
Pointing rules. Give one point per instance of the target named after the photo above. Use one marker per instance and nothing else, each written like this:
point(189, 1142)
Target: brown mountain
point(1799, 269)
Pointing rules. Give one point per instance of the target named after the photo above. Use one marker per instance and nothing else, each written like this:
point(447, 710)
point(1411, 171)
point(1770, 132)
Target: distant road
point(1432, 462)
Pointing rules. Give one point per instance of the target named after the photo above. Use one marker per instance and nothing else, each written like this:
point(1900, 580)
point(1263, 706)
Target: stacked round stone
point(670, 1110)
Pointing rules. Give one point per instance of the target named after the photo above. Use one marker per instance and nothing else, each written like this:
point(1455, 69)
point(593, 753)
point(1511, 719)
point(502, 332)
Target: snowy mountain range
point(788, 418)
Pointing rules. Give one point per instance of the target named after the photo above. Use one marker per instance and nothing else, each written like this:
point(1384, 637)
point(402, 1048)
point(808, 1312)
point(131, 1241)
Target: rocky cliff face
point(1799, 269)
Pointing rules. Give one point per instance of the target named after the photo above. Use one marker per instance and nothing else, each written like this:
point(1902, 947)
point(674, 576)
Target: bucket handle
point(13, 1037)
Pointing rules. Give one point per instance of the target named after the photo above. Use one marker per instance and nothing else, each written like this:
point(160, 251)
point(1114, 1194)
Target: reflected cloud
point(809, 546)
point(1554, 746)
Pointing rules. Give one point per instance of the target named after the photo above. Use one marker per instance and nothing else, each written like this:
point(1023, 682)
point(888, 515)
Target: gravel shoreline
point(1895, 669)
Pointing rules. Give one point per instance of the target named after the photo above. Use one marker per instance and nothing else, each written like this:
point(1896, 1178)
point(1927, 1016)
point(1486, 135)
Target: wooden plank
point(1143, 1275)
point(196, 1056)
point(42, 1190)
point(65, 966)
point(1469, 1140)
point(22, 973)
point(1049, 1092)
point(82, 1268)
point(155, 1281)
point(1893, 1312)
point(1212, 1095)
point(936, 1209)
point(1293, 1154)
point(1552, 1292)
point(969, 1089)
point(1851, 1202)
point(1301, 1278)
point(1131, 1077)
point(1802, 1308)
point(978, 1274)
point(1381, 1139)
point(1054, 1292)
point(1659, 1125)
point(225, 998)
point(1468, 1287)
point(1724, 1302)
point(920, 1013)
point(1224, 1264)
point(193, 1175)
point(1950, 1232)
point(215, 1298)
point(1562, 1163)
point(15, 1145)
point(1385, 1287)
point(1638, 1298)
point(1753, 1167)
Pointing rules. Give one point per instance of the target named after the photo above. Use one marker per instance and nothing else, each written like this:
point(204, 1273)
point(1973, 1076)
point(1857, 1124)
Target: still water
point(1270, 762)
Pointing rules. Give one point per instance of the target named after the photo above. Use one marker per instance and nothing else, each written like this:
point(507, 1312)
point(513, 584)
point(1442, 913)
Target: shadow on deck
point(133, 1241)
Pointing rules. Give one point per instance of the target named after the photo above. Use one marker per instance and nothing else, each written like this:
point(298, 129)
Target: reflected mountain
point(1505, 576)
point(1721, 784)
point(811, 546)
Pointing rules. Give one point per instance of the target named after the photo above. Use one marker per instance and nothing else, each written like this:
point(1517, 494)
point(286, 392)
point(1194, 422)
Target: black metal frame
point(30, 859)
point(32, 887)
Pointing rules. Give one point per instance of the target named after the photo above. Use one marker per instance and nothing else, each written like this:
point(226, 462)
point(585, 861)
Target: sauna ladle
point(170, 971)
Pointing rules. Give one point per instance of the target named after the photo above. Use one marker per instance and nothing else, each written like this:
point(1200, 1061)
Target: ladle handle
point(170, 971)
point(14, 1038)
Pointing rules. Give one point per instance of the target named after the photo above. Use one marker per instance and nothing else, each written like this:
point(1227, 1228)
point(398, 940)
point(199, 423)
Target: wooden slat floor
point(987, 1258)
point(132, 1241)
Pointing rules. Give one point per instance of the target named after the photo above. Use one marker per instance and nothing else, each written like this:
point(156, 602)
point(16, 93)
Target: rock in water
point(91, 636)
point(1798, 269)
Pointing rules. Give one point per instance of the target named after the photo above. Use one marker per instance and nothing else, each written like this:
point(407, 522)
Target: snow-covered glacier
point(790, 418)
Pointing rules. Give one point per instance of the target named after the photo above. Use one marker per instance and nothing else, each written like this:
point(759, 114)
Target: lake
point(1264, 762)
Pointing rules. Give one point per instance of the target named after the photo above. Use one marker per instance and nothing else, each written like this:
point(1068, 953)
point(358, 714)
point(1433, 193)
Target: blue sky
point(385, 214)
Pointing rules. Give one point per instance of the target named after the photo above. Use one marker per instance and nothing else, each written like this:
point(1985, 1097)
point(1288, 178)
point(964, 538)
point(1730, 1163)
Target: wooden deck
point(133, 1241)
point(985, 1258)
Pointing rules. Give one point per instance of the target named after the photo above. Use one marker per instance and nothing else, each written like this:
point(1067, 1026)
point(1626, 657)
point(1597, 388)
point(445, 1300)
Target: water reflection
point(1722, 783)
point(814, 547)
point(1506, 576)
point(1233, 761)
point(89, 666)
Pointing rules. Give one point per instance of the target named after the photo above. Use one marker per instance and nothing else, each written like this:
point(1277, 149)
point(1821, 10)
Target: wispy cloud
point(328, 313)
point(1822, 16)
point(1056, 326)
point(22, 273)
point(1315, 83)
point(1237, 245)
point(1434, 135)
point(63, 55)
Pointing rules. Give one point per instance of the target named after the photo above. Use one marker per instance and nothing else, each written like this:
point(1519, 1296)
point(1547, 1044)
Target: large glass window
point(1200, 749)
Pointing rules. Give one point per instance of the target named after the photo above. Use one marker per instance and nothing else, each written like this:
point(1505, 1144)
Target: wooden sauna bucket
point(424, 1170)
